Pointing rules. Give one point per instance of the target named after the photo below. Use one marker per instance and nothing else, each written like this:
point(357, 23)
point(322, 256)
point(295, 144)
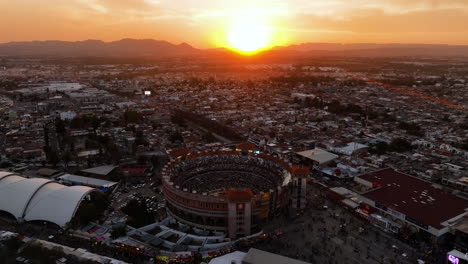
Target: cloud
point(376, 20)
point(196, 20)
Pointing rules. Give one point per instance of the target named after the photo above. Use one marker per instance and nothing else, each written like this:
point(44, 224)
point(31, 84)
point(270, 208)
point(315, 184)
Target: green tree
point(209, 137)
point(131, 116)
point(119, 231)
point(67, 157)
point(176, 136)
point(411, 128)
point(178, 119)
point(60, 126)
point(86, 213)
point(52, 156)
point(140, 139)
point(13, 244)
point(139, 213)
point(380, 148)
point(400, 145)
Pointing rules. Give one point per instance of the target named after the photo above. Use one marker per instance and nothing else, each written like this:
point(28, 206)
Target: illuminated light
point(453, 259)
point(147, 92)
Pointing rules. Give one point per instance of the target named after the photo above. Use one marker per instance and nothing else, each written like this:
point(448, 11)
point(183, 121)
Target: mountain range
point(161, 49)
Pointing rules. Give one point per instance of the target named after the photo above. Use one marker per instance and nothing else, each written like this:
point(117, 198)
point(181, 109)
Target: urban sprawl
point(327, 161)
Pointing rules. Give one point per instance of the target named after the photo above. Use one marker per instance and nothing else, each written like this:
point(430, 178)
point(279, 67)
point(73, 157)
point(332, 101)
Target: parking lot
point(149, 192)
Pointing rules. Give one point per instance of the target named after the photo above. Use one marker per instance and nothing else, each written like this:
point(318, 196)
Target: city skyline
point(207, 23)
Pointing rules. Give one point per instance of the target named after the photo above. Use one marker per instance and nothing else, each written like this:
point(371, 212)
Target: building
point(46, 172)
point(226, 191)
point(316, 157)
point(460, 230)
point(40, 199)
point(349, 149)
point(460, 183)
point(457, 257)
point(71, 179)
point(256, 256)
point(299, 191)
point(412, 202)
point(302, 96)
point(99, 172)
point(235, 257)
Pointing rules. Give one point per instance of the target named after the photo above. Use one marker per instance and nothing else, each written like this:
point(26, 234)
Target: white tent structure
point(40, 199)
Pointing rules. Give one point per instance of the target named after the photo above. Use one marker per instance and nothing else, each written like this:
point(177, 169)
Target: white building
point(40, 199)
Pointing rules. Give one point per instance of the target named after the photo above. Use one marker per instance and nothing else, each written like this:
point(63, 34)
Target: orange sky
point(202, 22)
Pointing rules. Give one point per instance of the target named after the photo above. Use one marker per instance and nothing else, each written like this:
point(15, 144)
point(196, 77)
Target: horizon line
point(220, 47)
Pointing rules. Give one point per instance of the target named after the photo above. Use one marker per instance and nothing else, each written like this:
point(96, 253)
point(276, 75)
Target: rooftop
point(319, 155)
point(462, 226)
point(256, 256)
point(413, 197)
point(234, 257)
point(47, 172)
point(87, 181)
point(101, 170)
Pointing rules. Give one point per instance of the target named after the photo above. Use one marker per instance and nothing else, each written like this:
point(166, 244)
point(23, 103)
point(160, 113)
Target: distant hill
point(97, 48)
point(375, 50)
point(150, 48)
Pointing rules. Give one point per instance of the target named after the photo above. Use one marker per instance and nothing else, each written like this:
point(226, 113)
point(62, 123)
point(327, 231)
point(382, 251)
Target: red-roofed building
point(412, 201)
point(137, 171)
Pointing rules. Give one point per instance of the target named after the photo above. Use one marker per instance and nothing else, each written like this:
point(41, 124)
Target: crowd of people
point(207, 173)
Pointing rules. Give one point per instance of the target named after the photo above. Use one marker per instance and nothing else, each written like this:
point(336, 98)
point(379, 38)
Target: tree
point(157, 160)
point(87, 213)
point(67, 157)
point(119, 231)
point(380, 148)
point(131, 116)
point(397, 145)
point(142, 159)
point(139, 213)
point(411, 128)
point(400, 145)
point(13, 244)
point(60, 127)
point(464, 145)
point(95, 123)
point(117, 176)
point(140, 139)
point(209, 137)
point(178, 119)
point(114, 153)
point(51, 156)
point(176, 136)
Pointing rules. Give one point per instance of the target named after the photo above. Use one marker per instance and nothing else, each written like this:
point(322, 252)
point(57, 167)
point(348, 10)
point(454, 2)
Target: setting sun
point(249, 34)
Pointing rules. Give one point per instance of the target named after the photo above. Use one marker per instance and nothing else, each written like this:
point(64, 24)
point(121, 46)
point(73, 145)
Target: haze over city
point(207, 23)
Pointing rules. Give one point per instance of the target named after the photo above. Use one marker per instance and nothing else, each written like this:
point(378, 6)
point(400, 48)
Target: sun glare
point(249, 34)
